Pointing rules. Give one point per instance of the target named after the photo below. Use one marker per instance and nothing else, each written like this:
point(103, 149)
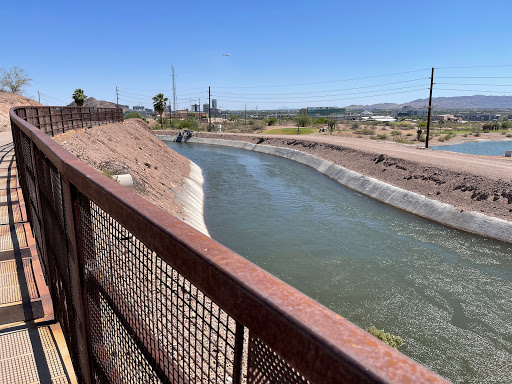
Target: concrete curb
point(412, 202)
point(192, 197)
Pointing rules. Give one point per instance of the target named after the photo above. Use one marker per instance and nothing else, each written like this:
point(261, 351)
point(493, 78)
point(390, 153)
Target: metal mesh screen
point(266, 366)
point(145, 314)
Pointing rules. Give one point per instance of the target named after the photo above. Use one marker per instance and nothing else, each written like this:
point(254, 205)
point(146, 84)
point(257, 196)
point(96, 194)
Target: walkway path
point(32, 347)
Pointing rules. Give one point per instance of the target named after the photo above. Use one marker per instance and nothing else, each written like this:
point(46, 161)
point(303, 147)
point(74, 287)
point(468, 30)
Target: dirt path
point(468, 182)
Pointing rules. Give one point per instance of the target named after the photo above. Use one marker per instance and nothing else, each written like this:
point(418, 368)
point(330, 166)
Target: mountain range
point(455, 102)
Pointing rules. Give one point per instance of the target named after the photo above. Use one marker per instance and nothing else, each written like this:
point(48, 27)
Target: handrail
point(143, 296)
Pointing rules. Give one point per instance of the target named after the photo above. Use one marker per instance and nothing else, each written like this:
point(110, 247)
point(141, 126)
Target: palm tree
point(159, 102)
point(332, 124)
point(79, 97)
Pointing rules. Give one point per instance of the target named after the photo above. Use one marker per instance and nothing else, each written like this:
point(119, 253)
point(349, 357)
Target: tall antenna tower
point(173, 89)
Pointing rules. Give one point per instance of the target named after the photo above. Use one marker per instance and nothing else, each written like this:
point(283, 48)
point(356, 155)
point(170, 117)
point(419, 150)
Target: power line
point(470, 90)
point(314, 101)
point(475, 77)
point(328, 81)
point(477, 66)
point(340, 94)
point(326, 91)
point(487, 85)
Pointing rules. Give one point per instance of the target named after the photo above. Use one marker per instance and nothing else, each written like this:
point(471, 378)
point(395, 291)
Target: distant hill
point(92, 102)
point(455, 102)
point(7, 101)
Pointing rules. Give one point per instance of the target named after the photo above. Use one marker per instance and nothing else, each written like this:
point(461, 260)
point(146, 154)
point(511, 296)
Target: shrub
point(396, 133)
point(271, 121)
point(382, 136)
point(355, 125)
point(509, 135)
point(320, 120)
point(367, 131)
point(388, 338)
point(133, 115)
point(188, 123)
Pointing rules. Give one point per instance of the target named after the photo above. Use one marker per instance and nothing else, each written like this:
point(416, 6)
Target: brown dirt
point(7, 101)
point(468, 182)
point(130, 147)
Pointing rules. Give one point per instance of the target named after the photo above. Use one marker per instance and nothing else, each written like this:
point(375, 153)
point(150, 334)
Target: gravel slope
point(130, 147)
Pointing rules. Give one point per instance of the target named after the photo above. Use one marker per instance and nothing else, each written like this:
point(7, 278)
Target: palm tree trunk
point(161, 121)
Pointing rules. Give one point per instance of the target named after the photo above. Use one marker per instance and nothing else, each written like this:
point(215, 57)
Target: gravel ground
point(129, 147)
point(468, 182)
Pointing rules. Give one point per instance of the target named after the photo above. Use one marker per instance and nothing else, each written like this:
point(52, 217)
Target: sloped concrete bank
point(192, 197)
point(412, 202)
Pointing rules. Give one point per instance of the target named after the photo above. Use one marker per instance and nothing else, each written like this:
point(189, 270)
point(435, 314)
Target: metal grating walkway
point(32, 347)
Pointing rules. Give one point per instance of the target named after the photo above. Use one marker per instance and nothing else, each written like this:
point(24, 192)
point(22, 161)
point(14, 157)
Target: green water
point(448, 294)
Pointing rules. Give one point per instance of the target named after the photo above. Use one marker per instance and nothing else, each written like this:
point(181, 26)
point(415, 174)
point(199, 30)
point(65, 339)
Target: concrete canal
point(447, 293)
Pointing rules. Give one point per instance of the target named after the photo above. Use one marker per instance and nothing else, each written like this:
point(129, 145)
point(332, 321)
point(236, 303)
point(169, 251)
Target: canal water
point(448, 294)
point(486, 148)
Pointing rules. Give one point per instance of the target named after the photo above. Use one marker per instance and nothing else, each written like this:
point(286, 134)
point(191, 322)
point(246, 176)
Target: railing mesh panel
point(131, 291)
point(266, 366)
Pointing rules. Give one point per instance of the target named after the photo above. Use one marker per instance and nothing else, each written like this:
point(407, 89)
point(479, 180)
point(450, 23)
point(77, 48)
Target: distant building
point(408, 111)
point(205, 107)
point(331, 112)
point(138, 108)
point(196, 108)
point(214, 103)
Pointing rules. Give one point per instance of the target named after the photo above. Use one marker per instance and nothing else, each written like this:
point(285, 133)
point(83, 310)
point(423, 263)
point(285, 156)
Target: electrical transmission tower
point(173, 89)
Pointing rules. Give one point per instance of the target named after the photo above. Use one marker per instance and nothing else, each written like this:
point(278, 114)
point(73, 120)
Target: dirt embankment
point(476, 183)
point(7, 101)
point(130, 147)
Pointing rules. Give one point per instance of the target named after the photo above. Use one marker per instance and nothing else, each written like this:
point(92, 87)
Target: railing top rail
point(331, 349)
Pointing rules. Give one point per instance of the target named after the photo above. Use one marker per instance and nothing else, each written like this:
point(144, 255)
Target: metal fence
point(143, 297)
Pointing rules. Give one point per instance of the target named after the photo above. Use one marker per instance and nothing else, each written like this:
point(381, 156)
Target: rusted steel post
point(239, 351)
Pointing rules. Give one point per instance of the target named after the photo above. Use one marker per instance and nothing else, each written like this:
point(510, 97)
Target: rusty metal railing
point(143, 297)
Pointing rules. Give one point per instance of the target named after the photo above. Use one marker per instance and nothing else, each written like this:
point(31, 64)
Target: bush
point(355, 125)
point(320, 120)
point(367, 131)
point(188, 123)
point(509, 135)
point(271, 121)
point(133, 115)
point(396, 133)
point(382, 136)
point(388, 338)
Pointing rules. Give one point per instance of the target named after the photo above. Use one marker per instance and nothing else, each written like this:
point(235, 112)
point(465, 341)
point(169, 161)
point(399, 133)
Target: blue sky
point(281, 53)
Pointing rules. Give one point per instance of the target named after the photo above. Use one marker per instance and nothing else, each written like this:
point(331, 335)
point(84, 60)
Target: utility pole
point(246, 114)
point(209, 110)
point(173, 89)
point(38, 97)
point(117, 96)
point(429, 108)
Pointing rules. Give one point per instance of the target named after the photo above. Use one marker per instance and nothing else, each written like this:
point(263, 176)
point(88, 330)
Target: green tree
point(14, 80)
point(159, 102)
point(79, 97)
point(133, 115)
point(302, 121)
point(332, 124)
